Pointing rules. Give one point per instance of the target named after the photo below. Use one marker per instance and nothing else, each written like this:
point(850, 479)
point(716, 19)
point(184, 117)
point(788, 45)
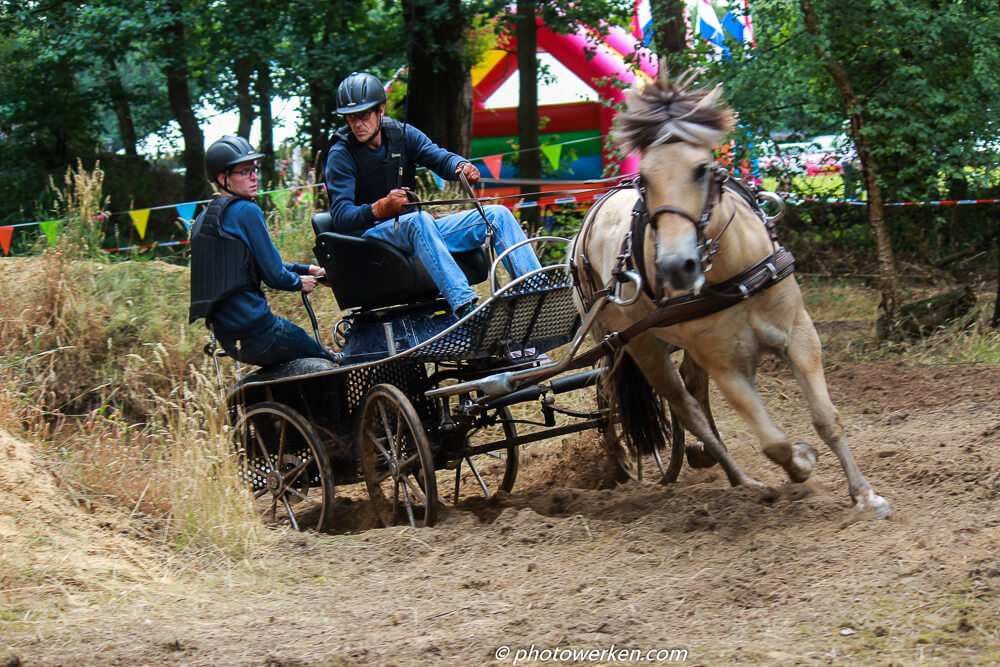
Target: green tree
point(560, 17)
point(915, 81)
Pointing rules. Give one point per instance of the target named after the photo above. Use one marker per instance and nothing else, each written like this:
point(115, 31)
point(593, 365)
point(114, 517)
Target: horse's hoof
point(798, 460)
point(802, 463)
point(698, 457)
point(869, 501)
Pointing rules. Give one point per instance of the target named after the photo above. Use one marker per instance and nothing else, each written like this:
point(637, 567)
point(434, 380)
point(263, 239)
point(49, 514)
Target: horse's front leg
point(696, 381)
point(804, 356)
point(653, 358)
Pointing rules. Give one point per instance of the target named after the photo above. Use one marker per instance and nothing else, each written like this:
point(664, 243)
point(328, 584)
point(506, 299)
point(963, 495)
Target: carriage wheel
point(662, 465)
point(479, 468)
point(286, 466)
point(396, 459)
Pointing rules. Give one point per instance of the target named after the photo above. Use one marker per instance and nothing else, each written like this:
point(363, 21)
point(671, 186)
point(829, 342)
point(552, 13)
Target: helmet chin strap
point(225, 186)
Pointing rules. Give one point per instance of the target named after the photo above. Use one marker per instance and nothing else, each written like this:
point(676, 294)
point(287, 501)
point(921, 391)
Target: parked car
point(824, 154)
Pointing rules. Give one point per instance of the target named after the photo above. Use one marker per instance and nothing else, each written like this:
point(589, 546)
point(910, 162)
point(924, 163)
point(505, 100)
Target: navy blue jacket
point(341, 177)
point(246, 313)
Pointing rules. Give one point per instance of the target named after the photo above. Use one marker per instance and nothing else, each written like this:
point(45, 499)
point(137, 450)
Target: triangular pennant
point(306, 196)
point(493, 164)
point(186, 213)
point(51, 230)
point(280, 198)
point(5, 235)
point(139, 219)
point(553, 153)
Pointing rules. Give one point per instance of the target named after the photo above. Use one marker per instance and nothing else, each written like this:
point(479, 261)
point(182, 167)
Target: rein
point(480, 200)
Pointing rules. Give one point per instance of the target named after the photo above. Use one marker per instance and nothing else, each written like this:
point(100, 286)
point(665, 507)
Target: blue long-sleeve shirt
point(246, 313)
point(341, 177)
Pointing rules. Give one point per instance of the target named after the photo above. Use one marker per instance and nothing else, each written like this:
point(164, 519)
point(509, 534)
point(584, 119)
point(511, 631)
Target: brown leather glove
point(470, 172)
point(391, 205)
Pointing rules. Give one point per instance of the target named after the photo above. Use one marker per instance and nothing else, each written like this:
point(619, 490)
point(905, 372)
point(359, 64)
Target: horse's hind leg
point(696, 381)
point(804, 355)
point(653, 357)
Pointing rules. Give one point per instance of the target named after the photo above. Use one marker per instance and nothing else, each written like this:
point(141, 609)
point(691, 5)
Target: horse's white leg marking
point(651, 357)
point(804, 355)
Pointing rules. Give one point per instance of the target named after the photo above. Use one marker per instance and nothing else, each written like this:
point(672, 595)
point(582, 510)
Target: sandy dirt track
point(731, 576)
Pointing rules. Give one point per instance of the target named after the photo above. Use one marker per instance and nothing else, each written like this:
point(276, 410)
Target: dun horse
point(700, 233)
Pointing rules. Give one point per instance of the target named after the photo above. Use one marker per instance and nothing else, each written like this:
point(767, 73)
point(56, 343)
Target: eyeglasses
point(247, 173)
point(362, 116)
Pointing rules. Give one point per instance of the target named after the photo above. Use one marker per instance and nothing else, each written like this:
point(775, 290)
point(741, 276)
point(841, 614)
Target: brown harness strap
point(767, 272)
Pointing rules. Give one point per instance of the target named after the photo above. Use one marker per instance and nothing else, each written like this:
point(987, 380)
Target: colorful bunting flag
point(186, 213)
point(139, 219)
point(709, 26)
point(5, 235)
point(493, 164)
point(51, 230)
point(553, 153)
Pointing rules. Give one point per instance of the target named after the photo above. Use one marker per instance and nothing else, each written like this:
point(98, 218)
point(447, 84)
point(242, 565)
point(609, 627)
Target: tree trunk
point(669, 31)
point(439, 83)
point(123, 111)
point(876, 208)
point(266, 124)
point(179, 94)
point(529, 159)
point(244, 101)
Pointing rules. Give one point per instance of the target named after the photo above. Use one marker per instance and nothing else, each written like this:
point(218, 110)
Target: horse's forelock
point(672, 111)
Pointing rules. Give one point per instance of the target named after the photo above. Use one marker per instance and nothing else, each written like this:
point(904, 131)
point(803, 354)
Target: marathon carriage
point(416, 396)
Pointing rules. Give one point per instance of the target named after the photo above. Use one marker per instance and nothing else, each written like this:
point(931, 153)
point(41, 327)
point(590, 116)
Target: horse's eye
point(700, 171)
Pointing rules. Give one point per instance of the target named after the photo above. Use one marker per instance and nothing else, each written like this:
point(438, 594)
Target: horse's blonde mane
point(666, 111)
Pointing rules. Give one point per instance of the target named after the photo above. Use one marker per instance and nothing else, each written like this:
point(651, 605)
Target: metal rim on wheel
point(286, 466)
point(396, 459)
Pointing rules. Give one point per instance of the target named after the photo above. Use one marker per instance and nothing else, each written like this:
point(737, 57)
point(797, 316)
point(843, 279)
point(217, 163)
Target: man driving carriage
point(367, 193)
point(231, 253)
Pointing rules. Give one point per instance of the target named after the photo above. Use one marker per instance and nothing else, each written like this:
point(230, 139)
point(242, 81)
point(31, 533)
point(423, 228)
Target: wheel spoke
point(395, 498)
point(386, 428)
point(479, 478)
point(409, 505)
point(417, 491)
point(288, 477)
point(377, 441)
point(263, 450)
point(281, 442)
point(291, 514)
point(302, 497)
point(405, 465)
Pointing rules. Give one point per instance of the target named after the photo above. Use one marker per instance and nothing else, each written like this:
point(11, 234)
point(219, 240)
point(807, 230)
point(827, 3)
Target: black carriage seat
point(367, 273)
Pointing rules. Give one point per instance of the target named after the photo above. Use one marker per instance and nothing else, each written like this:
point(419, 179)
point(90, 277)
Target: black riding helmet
point(226, 153)
point(359, 92)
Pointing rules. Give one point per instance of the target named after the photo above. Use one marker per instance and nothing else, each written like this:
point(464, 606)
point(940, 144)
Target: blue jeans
point(281, 342)
point(434, 239)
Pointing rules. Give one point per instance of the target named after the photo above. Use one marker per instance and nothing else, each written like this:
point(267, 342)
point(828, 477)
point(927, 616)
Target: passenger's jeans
point(434, 239)
point(282, 342)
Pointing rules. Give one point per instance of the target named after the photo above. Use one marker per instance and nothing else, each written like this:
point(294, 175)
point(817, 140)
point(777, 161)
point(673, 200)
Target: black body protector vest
point(375, 177)
point(221, 263)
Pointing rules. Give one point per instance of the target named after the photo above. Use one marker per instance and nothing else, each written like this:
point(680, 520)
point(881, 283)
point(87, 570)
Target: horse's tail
point(639, 411)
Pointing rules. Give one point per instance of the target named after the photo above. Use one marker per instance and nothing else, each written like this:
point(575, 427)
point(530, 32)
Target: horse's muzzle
point(680, 270)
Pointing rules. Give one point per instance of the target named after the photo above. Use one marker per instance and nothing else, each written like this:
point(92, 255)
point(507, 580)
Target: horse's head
point(674, 127)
